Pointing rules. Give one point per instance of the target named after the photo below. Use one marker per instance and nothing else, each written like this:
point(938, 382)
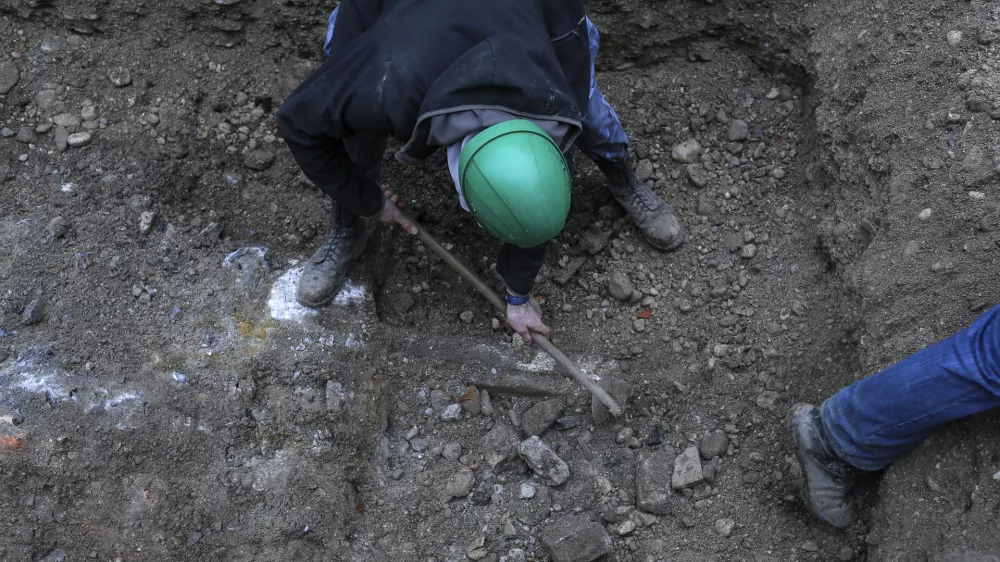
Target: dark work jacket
point(395, 64)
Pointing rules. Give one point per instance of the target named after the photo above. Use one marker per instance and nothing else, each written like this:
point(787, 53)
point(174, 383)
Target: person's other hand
point(391, 212)
point(524, 319)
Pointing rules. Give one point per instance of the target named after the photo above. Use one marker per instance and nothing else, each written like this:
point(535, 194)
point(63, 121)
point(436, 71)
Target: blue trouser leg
point(876, 420)
point(602, 137)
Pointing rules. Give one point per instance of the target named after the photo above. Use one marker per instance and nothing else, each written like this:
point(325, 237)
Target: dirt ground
point(164, 398)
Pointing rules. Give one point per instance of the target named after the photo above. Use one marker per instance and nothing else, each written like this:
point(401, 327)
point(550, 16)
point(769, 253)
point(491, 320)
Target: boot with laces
point(828, 479)
point(657, 220)
point(324, 273)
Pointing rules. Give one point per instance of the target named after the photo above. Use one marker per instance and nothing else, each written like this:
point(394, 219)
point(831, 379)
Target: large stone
point(738, 130)
point(653, 481)
point(259, 160)
point(541, 416)
point(62, 138)
point(459, 485)
point(544, 461)
point(575, 538)
point(620, 286)
point(686, 152)
point(687, 469)
point(713, 445)
point(9, 76)
point(500, 444)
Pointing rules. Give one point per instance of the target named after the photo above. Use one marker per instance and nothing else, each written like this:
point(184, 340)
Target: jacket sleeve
point(518, 267)
point(316, 118)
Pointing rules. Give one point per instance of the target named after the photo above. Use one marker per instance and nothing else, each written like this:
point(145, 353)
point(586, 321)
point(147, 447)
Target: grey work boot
point(656, 219)
point(828, 479)
point(325, 271)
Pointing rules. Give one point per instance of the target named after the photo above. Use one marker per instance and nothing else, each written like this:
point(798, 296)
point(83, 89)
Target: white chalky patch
point(542, 363)
point(282, 304)
point(42, 384)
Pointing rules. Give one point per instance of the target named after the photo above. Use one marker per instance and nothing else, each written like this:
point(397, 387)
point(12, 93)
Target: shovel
point(542, 341)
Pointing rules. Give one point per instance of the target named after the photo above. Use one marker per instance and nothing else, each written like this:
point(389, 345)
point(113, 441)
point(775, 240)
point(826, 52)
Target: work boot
point(325, 271)
point(656, 219)
point(828, 479)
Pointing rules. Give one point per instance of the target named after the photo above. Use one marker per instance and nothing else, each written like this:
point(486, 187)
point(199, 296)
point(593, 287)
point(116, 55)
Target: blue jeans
point(603, 137)
point(876, 420)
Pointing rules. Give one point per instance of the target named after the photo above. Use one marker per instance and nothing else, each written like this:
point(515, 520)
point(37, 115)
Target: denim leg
point(876, 420)
point(329, 30)
point(602, 137)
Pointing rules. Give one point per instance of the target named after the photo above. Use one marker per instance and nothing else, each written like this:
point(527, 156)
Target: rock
point(778, 173)
point(27, 136)
point(499, 445)
point(541, 416)
point(89, 113)
point(713, 445)
point(7, 132)
point(259, 160)
point(954, 37)
point(57, 227)
point(120, 77)
point(452, 451)
point(466, 316)
point(78, 140)
point(810, 546)
point(33, 313)
point(472, 401)
point(563, 275)
point(748, 251)
point(453, 412)
point(653, 481)
point(50, 45)
point(526, 491)
point(619, 391)
point(45, 99)
point(686, 152)
point(925, 214)
point(697, 174)
point(537, 384)
point(62, 139)
point(67, 120)
point(687, 469)
point(575, 538)
point(845, 554)
point(336, 397)
point(594, 241)
point(459, 485)
point(644, 170)
point(477, 548)
point(9, 76)
point(724, 527)
point(419, 444)
point(626, 528)
point(544, 461)
point(738, 130)
point(620, 286)
point(146, 221)
point(911, 249)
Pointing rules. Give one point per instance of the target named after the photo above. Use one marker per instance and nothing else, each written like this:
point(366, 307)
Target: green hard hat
point(516, 183)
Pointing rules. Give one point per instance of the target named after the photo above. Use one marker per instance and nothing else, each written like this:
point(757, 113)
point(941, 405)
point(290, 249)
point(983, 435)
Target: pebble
point(653, 481)
point(259, 160)
point(644, 170)
point(773, 94)
point(7, 132)
point(697, 174)
point(544, 461)
point(810, 546)
point(626, 528)
point(27, 136)
point(89, 113)
point(594, 241)
point(845, 554)
point(466, 316)
point(9, 76)
point(954, 37)
point(686, 152)
point(146, 220)
point(748, 251)
point(713, 445)
point(575, 538)
point(62, 139)
point(50, 45)
point(499, 444)
point(526, 491)
point(495, 323)
point(911, 249)
point(459, 485)
point(687, 469)
point(67, 120)
point(120, 77)
point(33, 313)
point(78, 140)
point(778, 173)
point(452, 413)
point(57, 227)
point(452, 451)
point(620, 286)
point(724, 527)
point(738, 130)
